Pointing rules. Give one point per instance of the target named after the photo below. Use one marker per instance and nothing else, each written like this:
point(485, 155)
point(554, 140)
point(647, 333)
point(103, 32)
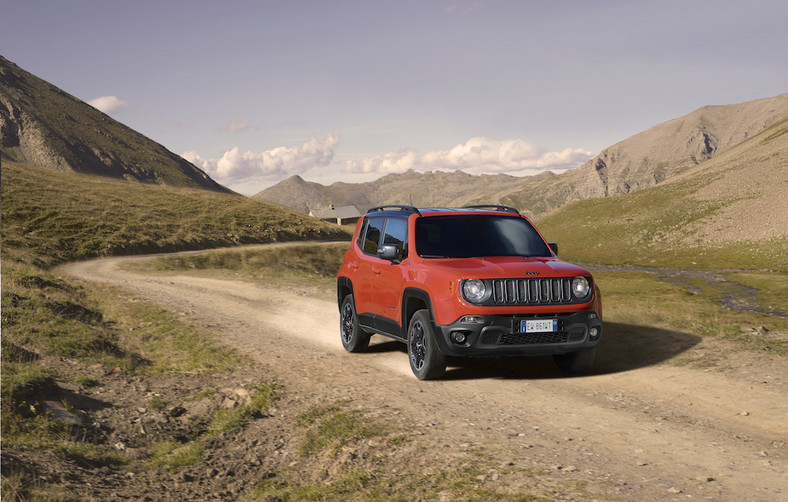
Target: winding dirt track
point(651, 432)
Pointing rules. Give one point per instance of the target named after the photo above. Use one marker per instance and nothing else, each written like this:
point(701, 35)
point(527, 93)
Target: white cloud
point(476, 156)
point(384, 164)
point(238, 166)
point(108, 104)
point(236, 125)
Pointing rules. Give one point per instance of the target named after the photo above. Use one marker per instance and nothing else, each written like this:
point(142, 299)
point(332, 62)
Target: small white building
point(342, 215)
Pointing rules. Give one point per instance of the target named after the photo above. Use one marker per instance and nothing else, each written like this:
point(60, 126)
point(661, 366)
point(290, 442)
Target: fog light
point(593, 333)
point(458, 337)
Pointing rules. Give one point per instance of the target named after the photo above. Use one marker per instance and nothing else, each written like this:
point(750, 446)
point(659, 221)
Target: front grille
point(532, 291)
point(533, 338)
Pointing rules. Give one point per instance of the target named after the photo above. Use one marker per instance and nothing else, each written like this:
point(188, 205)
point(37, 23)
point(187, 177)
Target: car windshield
point(467, 235)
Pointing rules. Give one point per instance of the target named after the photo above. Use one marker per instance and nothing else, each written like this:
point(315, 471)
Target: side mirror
point(387, 252)
point(554, 247)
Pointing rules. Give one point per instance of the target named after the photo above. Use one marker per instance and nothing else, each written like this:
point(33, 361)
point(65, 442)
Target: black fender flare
point(344, 288)
point(411, 298)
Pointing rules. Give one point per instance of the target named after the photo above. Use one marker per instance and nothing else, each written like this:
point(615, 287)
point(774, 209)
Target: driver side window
point(372, 235)
point(397, 234)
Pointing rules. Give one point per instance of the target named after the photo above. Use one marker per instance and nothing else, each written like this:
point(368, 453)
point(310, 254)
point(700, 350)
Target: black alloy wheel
point(354, 339)
point(426, 360)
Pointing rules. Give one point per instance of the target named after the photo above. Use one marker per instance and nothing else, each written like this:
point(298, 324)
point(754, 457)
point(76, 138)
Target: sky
point(253, 92)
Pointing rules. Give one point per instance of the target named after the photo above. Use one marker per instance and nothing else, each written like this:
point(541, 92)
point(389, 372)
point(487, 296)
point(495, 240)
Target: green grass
point(27, 425)
point(304, 262)
point(640, 299)
point(101, 326)
point(161, 341)
point(293, 266)
point(772, 289)
point(173, 454)
point(649, 228)
point(331, 428)
point(47, 315)
point(230, 420)
point(51, 217)
point(371, 485)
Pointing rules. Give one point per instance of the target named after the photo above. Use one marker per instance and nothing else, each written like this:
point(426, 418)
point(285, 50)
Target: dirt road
point(636, 432)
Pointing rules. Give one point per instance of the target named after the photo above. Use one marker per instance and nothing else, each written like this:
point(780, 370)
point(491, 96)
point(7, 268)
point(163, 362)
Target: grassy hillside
point(728, 212)
point(50, 217)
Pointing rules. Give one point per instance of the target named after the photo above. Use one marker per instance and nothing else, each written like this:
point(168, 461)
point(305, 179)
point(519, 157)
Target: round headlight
point(580, 287)
point(474, 290)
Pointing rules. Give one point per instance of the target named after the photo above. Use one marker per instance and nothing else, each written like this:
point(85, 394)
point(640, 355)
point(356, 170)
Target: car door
point(390, 276)
point(365, 280)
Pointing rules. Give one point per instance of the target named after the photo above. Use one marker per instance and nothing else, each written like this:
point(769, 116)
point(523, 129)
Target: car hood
point(508, 267)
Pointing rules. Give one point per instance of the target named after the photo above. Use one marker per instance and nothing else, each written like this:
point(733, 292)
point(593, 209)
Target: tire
point(426, 360)
point(354, 339)
point(575, 362)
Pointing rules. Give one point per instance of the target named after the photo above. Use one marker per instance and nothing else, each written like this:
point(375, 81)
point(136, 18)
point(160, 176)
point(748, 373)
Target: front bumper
point(492, 335)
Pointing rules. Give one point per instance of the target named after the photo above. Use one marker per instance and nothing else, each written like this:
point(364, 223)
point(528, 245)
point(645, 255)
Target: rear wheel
point(575, 362)
point(426, 359)
point(354, 339)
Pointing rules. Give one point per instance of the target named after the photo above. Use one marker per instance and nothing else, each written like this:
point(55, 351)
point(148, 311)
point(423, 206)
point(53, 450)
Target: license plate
point(539, 326)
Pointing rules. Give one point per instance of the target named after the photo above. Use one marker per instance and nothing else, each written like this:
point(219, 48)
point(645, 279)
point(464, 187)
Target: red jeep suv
point(471, 281)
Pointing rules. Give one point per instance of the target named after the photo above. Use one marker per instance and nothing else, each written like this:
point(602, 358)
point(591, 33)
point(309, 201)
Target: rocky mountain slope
point(43, 126)
point(730, 211)
point(638, 162)
point(749, 186)
point(654, 155)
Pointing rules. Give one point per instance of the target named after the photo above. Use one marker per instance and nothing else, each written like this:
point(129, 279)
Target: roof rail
point(407, 209)
point(494, 207)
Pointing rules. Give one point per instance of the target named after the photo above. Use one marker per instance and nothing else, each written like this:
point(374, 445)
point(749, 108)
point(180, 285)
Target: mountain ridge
point(45, 126)
point(640, 161)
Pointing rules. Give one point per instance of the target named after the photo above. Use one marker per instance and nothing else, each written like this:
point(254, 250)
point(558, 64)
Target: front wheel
point(575, 362)
point(354, 339)
point(426, 360)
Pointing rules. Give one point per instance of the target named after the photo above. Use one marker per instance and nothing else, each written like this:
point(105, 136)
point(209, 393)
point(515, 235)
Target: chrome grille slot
point(532, 291)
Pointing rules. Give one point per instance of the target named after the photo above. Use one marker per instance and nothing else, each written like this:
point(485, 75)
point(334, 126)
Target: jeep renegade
point(471, 281)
